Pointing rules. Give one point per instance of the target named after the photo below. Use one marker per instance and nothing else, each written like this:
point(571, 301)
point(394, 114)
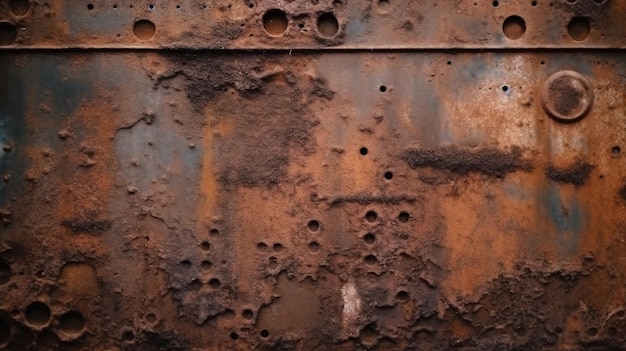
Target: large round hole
point(616, 150)
point(265, 333)
point(5, 272)
point(363, 151)
point(327, 25)
point(578, 28)
point(19, 7)
point(275, 22)
point(144, 29)
point(514, 27)
point(206, 265)
point(5, 332)
point(388, 175)
point(72, 323)
point(37, 313)
point(369, 238)
point(8, 34)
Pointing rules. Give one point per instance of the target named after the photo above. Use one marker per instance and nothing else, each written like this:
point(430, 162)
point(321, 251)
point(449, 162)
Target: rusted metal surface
point(322, 199)
point(239, 24)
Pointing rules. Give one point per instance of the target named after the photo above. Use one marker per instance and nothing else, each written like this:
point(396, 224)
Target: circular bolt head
point(567, 96)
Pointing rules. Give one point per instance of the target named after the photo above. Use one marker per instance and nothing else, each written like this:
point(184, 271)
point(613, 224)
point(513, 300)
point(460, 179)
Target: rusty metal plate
point(292, 24)
point(310, 200)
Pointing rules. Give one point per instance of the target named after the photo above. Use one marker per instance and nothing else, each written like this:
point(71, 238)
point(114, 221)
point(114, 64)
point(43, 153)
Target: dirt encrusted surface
point(492, 162)
point(566, 97)
point(576, 174)
point(265, 98)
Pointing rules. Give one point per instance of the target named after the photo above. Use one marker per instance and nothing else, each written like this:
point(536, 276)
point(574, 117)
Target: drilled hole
point(265, 333)
point(616, 150)
point(278, 247)
point(128, 336)
point(534, 3)
point(369, 238)
point(151, 318)
point(388, 175)
point(558, 330)
point(327, 25)
point(275, 22)
point(5, 332)
point(404, 217)
point(371, 216)
point(90, 7)
point(402, 295)
point(579, 28)
point(593, 331)
point(382, 88)
point(505, 88)
point(5, 272)
point(370, 259)
point(8, 34)
point(514, 27)
point(214, 232)
point(72, 323)
point(214, 283)
point(314, 225)
point(234, 336)
point(150, 7)
point(314, 246)
point(206, 246)
point(185, 263)
point(206, 265)
point(37, 313)
point(363, 151)
point(247, 314)
point(144, 29)
point(19, 7)
point(495, 4)
point(261, 246)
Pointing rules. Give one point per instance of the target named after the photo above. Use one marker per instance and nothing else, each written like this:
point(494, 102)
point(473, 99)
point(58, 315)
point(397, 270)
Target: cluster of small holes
point(275, 23)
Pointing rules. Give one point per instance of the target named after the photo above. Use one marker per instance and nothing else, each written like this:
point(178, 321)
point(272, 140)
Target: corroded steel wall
point(312, 175)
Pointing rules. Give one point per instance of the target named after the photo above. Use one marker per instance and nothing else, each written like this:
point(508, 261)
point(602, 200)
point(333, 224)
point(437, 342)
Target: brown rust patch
point(492, 162)
point(86, 226)
point(258, 110)
point(576, 174)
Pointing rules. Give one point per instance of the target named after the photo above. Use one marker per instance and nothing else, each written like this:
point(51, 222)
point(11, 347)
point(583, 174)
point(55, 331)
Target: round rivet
point(567, 96)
